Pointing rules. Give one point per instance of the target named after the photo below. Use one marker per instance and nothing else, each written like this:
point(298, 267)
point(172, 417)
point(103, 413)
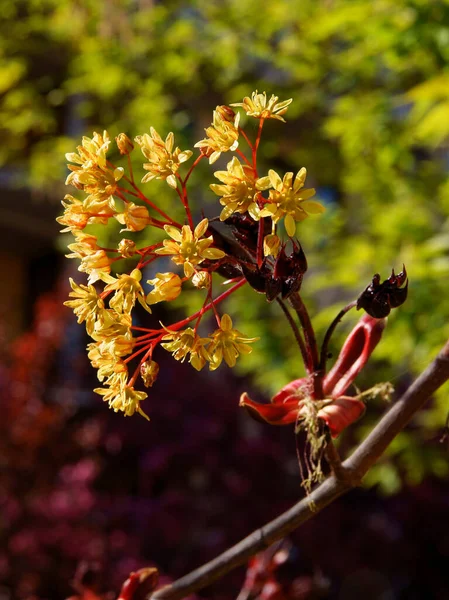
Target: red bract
point(337, 410)
point(139, 584)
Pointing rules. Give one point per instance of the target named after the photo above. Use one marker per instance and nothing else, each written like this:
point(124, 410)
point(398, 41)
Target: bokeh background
point(370, 121)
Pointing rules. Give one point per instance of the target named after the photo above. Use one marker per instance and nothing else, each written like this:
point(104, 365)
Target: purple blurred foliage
point(81, 483)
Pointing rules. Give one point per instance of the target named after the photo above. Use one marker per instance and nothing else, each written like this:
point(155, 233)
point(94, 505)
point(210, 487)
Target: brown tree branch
point(353, 470)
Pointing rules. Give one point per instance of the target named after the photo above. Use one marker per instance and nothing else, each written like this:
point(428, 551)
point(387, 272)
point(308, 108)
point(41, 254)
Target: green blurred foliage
point(370, 121)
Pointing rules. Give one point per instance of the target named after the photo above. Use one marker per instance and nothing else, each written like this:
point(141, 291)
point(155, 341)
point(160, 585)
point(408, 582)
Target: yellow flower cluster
point(224, 343)
point(196, 250)
point(111, 330)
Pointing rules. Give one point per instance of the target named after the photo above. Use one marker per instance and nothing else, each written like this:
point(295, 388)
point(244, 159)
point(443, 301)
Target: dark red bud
point(379, 298)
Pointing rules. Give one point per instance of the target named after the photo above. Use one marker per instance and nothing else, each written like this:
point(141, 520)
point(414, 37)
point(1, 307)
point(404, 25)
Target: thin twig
point(296, 333)
point(312, 348)
point(356, 466)
point(329, 332)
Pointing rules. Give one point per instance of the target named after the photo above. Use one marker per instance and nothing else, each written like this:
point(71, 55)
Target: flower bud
point(226, 113)
point(167, 287)
point(149, 371)
point(201, 279)
point(124, 144)
point(127, 248)
point(379, 298)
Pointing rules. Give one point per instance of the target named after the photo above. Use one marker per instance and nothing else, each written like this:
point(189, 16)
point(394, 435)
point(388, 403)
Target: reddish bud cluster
point(379, 298)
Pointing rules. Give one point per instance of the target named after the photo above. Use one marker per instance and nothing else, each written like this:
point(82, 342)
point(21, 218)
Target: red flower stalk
point(336, 410)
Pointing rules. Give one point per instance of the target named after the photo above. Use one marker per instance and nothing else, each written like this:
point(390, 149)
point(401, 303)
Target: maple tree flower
point(75, 216)
point(288, 199)
point(87, 304)
point(240, 190)
point(110, 323)
point(127, 290)
point(187, 248)
point(92, 151)
point(124, 398)
point(187, 343)
point(163, 160)
point(167, 286)
point(117, 345)
point(222, 135)
point(227, 343)
point(85, 245)
point(134, 216)
point(260, 107)
point(99, 184)
point(109, 366)
point(97, 265)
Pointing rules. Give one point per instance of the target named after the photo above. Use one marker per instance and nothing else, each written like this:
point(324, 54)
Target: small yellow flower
point(135, 217)
point(75, 216)
point(127, 290)
point(92, 152)
point(227, 343)
point(87, 304)
point(222, 135)
point(125, 398)
point(111, 324)
point(187, 248)
point(258, 106)
point(97, 265)
point(239, 194)
point(100, 184)
point(164, 161)
point(288, 199)
point(149, 371)
point(167, 287)
point(119, 346)
point(187, 342)
point(127, 248)
point(85, 245)
point(110, 366)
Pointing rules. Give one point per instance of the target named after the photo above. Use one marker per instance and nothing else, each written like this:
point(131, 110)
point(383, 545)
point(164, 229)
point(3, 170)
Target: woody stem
point(355, 467)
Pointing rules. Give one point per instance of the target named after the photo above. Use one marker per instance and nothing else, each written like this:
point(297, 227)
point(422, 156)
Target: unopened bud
point(379, 298)
point(226, 112)
point(124, 144)
point(149, 371)
point(127, 248)
point(201, 279)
